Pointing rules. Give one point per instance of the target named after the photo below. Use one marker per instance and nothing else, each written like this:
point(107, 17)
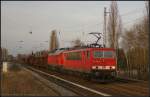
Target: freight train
point(92, 62)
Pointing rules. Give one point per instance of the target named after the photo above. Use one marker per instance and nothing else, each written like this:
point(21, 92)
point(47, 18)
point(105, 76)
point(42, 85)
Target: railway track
point(130, 80)
point(77, 88)
point(56, 88)
point(119, 87)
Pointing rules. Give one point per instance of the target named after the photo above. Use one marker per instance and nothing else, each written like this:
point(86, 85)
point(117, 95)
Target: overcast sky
point(70, 18)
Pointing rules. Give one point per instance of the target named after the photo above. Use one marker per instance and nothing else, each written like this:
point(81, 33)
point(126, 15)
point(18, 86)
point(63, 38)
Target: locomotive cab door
point(83, 61)
point(86, 60)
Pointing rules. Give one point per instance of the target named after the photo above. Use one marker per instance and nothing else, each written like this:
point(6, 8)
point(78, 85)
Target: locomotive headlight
point(93, 67)
point(113, 67)
point(100, 67)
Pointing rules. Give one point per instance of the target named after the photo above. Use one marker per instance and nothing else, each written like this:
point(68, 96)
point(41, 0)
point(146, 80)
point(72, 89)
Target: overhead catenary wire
point(133, 20)
point(100, 23)
point(126, 23)
point(87, 26)
point(130, 12)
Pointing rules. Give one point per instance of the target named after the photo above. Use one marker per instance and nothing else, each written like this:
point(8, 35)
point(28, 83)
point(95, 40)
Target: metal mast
point(104, 33)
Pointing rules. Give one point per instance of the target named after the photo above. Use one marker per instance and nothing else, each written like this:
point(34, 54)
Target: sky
point(73, 19)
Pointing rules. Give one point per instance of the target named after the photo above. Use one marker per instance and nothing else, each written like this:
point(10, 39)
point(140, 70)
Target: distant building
point(19, 56)
point(4, 54)
point(41, 53)
point(10, 58)
point(53, 41)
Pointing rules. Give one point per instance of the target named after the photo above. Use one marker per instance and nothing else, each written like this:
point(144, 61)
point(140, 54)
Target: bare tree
point(142, 29)
point(129, 39)
point(147, 7)
point(146, 24)
point(142, 34)
point(138, 35)
point(54, 41)
point(78, 43)
point(114, 25)
point(135, 40)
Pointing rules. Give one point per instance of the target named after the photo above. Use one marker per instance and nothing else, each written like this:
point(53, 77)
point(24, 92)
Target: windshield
point(98, 54)
point(108, 54)
point(103, 54)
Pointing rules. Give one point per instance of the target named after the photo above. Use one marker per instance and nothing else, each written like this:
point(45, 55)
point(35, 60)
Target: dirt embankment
point(18, 82)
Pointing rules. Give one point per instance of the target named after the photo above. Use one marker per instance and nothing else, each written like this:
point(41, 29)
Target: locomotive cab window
point(108, 54)
point(103, 54)
point(73, 56)
point(98, 54)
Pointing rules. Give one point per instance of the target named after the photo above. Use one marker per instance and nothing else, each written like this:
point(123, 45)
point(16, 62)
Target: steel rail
point(75, 84)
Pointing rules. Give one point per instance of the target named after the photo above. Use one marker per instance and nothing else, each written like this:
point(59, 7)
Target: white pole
point(5, 67)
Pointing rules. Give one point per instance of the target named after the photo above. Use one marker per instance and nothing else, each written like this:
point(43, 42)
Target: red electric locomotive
point(99, 62)
point(96, 61)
